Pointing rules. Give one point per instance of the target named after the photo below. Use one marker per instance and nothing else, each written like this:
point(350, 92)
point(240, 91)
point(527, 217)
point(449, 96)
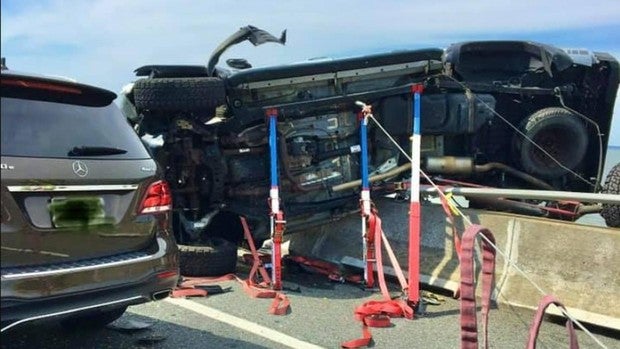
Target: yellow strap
point(452, 204)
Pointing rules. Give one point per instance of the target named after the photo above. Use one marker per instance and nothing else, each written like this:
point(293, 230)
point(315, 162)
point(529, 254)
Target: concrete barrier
point(577, 263)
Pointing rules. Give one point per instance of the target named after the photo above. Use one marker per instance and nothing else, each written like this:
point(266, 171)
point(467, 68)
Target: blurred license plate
point(79, 211)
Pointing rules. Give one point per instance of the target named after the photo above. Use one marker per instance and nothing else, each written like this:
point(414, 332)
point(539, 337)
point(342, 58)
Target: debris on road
point(151, 339)
point(129, 325)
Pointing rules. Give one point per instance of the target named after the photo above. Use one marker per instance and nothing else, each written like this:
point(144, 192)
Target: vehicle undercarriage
point(505, 114)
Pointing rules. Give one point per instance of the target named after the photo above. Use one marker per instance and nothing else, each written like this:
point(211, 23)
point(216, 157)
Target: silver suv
point(85, 215)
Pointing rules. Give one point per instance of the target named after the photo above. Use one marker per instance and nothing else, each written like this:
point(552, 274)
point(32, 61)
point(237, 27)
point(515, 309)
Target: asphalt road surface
point(321, 316)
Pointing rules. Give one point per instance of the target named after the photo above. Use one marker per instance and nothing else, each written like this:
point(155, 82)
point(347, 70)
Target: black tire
point(215, 258)
point(179, 94)
point(561, 133)
point(92, 320)
point(611, 213)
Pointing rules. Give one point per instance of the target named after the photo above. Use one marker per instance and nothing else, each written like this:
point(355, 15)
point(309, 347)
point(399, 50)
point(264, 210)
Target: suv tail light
point(41, 86)
point(157, 198)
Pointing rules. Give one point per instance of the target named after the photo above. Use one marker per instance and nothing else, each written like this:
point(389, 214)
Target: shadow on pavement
point(161, 335)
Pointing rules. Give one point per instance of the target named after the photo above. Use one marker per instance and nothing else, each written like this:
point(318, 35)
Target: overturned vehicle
point(504, 114)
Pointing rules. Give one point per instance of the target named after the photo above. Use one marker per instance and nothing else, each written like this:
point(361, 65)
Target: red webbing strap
point(279, 306)
point(280, 303)
point(392, 308)
point(402, 280)
point(469, 328)
point(374, 229)
point(377, 230)
point(253, 287)
point(377, 313)
point(540, 312)
point(258, 264)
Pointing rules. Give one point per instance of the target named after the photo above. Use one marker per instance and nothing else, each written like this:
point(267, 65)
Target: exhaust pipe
point(159, 295)
point(466, 166)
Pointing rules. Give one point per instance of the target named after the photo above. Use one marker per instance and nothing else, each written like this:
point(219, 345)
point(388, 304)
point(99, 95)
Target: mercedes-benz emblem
point(80, 168)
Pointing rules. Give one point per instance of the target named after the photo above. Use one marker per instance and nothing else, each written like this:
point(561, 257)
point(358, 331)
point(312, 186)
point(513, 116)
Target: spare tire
point(215, 258)
point(179, 94)
point(611, 213)
point(560, 133)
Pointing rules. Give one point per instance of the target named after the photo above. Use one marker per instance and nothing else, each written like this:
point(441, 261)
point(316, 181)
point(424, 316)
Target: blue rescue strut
point(367, 240)
point(276, 215)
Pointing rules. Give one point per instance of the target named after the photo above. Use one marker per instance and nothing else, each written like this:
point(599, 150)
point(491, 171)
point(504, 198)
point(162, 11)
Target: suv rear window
point(34, 128)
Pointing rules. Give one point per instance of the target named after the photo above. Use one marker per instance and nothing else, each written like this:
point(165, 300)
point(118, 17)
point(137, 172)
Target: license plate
point(82, 211)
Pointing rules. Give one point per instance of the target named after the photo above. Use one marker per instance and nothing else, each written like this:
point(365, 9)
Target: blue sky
point(101, 42)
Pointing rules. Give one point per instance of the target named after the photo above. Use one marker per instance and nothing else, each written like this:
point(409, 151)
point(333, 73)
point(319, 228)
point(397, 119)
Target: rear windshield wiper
point(94, 151)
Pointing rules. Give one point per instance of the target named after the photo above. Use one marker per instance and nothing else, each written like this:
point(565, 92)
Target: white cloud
point(108, 39)
point(614, 135)
point(102, 41)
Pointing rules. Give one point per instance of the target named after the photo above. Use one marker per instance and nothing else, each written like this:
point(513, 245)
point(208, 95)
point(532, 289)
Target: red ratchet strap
point(371, 257)
point(540, 312)
point(279, 224)
point(378, 313)
point(469, 328)
point(252, 286)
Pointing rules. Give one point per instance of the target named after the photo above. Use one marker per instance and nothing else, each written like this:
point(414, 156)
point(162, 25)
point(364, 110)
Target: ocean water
point(613, 158)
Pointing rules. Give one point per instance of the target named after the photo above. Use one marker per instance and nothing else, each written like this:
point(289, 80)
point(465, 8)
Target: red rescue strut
point(413, 295)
